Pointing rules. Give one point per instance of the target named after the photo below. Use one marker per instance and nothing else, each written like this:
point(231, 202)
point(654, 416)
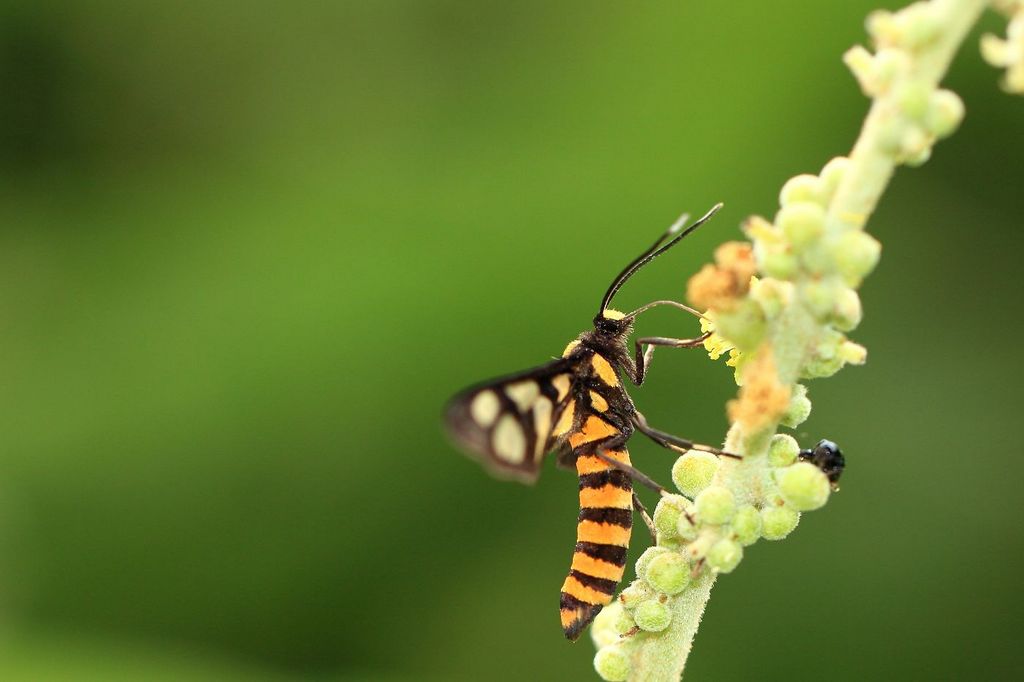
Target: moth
point(577, 407)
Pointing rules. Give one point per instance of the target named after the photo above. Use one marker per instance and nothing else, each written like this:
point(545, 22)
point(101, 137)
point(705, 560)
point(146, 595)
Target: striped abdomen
point(603, 529)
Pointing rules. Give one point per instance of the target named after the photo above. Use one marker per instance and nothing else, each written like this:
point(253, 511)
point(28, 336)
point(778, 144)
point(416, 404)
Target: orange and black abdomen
point(603, 529)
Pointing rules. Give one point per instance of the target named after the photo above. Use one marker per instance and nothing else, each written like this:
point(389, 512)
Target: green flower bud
point(862, 65)
point(744, 325)
point(604, 630)
point(645, 559)
point(746, 525)
point(779, 264)
point(890, 63)
point(782, 450)
point(913, 100)
point(802, 222)
point(778, 522)
point(819, 297)
point(715, 505)
point(685, 528)
point(852, 353)
point(698, 549)
point(693, 471)
point(666, 514)
point(913, 144)
point(918, 158)
point(817, 259)
point(612, 663)
point(803, 486)
point(891, 136)
point(672, 543)
point(1007, 53)
point(945, 111)
point(772, 295)
point(856, 254)
point(799, 408)
point(882, 26)
point(832, 174)
point(919, 25)
point(724, 556)
point(624, 622)
point(821, 367)
point(668, 573)
point(652, 616)
point(637, 592)
point(804, 187)
point(848, 312)
point(825, 360)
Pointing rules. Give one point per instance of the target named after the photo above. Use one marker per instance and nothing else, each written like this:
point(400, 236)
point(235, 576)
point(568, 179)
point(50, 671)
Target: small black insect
point(827, 457)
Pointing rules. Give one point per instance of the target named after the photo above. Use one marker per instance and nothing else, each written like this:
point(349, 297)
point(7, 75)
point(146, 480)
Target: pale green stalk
point(787, 326)
point(1008, 53)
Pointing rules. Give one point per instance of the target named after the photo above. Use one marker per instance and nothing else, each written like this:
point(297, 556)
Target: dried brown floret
point(762, 399)
point(720, 286)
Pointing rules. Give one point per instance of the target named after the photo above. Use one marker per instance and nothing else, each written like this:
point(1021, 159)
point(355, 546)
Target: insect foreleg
point(670, 442)
point(644, 355)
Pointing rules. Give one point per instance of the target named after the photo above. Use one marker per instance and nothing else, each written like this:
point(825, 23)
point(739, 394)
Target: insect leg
point(639, 507)
point(644, 355)
point(670, 442)
point(637, 475)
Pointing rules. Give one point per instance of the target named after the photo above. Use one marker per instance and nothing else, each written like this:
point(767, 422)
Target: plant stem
point(663, 658)
point(788, 325)
point(870, 169)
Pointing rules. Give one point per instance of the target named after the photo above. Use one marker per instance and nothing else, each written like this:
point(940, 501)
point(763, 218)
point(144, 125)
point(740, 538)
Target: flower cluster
point(1008, 53)
point(780, 306)
point(920, 113)
point(701, 533)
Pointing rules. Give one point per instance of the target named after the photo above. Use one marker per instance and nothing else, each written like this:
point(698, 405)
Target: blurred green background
point(247, 250)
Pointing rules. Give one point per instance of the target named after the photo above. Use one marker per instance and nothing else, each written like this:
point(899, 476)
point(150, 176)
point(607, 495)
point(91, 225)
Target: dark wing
point(512, 422)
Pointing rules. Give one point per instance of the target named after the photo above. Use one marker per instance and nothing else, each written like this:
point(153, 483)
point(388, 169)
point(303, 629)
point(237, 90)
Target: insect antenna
point(654, 251)
point(676, 304)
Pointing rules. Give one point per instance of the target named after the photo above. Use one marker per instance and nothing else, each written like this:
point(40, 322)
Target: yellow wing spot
point(598, 402)
point(604, 370)
point(573, 345)
point(541, 425)
point(561, 384)
point(565, 419)
point(484, 408)
point(523, 393)
point(509, 441)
